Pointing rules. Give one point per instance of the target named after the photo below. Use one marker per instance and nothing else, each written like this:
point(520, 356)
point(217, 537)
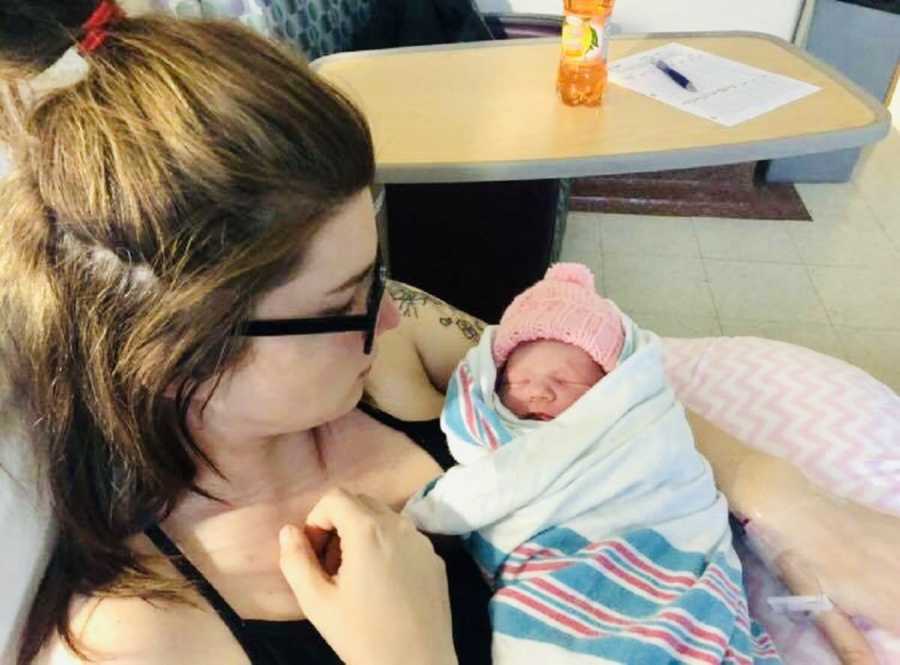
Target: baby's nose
point(540, 393)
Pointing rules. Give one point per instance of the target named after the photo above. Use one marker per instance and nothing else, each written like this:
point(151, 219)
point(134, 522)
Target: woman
point(192, 289)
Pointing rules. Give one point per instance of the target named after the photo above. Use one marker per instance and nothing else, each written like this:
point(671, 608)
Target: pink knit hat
point(563, 306)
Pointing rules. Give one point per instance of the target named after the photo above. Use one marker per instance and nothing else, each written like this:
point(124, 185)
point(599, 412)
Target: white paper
point(728, 92)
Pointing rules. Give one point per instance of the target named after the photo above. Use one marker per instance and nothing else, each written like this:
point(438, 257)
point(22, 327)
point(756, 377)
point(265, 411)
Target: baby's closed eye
point(569, 381)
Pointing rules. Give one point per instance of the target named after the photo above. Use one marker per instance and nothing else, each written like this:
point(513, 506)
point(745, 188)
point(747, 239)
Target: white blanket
point(601, 531)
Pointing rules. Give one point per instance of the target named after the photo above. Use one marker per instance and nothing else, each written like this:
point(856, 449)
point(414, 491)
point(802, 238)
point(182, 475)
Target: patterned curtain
point(251, 13)
point(318, 27)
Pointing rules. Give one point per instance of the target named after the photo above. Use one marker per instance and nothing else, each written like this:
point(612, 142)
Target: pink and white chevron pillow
point(833, 420)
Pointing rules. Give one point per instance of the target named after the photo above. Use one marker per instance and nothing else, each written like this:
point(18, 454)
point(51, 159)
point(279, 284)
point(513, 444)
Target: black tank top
point(298, 642)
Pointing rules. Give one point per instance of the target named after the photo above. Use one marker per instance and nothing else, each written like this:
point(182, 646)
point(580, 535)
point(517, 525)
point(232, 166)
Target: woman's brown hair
point(136, 232)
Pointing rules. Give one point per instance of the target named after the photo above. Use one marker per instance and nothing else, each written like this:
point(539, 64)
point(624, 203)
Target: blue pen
point(676, 76)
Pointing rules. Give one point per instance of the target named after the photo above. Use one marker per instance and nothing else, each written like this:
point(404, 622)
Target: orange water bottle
point(582, 64)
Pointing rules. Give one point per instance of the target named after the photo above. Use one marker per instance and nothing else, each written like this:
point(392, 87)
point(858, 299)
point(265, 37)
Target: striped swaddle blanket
point(601, 532)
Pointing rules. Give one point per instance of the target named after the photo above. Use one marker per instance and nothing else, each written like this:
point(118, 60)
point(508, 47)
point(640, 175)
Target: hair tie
point(106, 14)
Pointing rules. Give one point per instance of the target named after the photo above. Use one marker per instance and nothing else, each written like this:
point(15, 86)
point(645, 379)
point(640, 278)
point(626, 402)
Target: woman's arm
point(440, 333)
point(817, 542)
point(737, 468)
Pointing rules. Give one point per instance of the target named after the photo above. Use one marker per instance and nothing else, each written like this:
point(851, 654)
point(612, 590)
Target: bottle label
point(584, 39)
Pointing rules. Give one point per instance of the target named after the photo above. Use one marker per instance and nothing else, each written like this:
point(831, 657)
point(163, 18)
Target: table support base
point(475, 245)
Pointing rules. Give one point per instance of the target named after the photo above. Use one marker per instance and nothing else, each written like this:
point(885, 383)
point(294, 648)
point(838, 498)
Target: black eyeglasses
point(328, 324)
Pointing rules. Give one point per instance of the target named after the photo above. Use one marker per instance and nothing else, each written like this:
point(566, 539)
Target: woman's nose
point(388, 315)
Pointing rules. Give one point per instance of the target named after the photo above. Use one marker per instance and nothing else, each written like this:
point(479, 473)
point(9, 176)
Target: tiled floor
point(832, 285)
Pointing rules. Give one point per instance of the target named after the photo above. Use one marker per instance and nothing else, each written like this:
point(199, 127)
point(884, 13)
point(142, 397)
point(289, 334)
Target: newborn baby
point(581, 496)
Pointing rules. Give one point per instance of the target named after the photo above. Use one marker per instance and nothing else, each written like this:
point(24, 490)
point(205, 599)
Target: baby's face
point(544, 378)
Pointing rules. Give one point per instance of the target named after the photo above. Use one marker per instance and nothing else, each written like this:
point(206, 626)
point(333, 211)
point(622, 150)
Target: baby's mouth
point(538, 416)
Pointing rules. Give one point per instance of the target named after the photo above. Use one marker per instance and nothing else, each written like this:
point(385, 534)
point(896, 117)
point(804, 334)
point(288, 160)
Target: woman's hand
point(821, 544)
point(387, 602)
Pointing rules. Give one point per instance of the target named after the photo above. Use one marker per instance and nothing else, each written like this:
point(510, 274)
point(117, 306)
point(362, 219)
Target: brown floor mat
point(737, 191)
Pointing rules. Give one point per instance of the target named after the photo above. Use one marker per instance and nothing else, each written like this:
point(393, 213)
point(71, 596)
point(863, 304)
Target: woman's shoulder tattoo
point(409, 300)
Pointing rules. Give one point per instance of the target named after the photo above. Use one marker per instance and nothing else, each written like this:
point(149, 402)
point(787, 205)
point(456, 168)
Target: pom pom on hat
point(576, 273)
point(564, 306)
